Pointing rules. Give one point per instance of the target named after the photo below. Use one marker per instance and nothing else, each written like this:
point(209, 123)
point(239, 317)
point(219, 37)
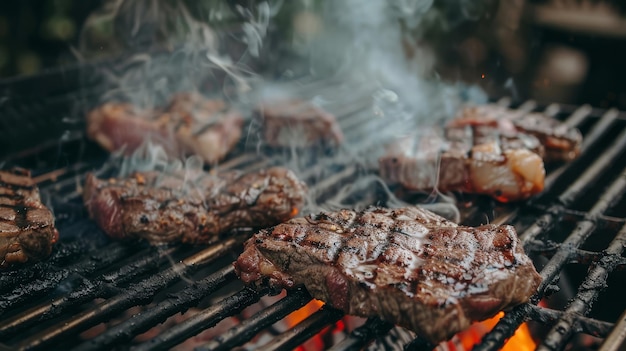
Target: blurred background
point(567, 51)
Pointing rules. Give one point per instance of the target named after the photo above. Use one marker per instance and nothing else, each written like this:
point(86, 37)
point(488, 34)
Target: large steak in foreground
point(408, 266)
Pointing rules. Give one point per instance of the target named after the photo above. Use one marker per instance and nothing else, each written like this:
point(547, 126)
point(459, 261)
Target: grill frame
point(96, 281)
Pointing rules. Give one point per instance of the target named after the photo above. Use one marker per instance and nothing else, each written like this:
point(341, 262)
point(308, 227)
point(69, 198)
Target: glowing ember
point(520, 341)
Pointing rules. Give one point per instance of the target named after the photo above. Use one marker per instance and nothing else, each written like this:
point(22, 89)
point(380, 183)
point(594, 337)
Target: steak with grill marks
point(505, 166)
point(561, 142)
point(27, 230)
point(407, 266)
point(297, 123)
point(192, 206)
point(190, 124)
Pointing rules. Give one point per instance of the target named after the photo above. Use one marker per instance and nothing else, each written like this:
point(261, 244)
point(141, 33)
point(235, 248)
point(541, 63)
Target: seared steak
point(27, 230)
point(505, 166)
point(190, 124)
point(408, 266)
point(192, 207)
point(297, 123)
point(561, 142)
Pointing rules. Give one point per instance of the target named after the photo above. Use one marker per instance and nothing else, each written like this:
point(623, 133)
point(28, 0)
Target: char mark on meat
point(192, 207)
point(407, 266)
point(297, 123)
point(190, 125)
point(507, 167)
point(561, 142)
point(27, 231)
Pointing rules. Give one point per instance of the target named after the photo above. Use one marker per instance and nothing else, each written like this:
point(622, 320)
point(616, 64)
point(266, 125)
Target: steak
point(407, 266)
point(562, 143)
point(297, 123)
point(190, 124)
point(193, 206)
point(505, 166)
point(27, 230)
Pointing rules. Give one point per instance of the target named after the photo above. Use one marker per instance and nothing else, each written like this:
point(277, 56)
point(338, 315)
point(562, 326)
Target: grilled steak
point(192, 207)
point(561, 142)
point(190, 124)
point(27, 230)
point(297, 123)
point(506, 166)
point(408, 266)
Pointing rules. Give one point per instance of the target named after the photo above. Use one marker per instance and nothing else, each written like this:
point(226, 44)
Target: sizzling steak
point(190, 124)
point(505, 166)
point(298, 123)
point(27, 230)
point(192, 207)
point(408, 266)
point(561, 142)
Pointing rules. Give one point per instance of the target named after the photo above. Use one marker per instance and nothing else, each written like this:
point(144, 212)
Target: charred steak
point(408, 266)
point(190, 124)
point(192, 207)
point(505, 166)
point(27, 230)
point(562, 143)
point(297, 123)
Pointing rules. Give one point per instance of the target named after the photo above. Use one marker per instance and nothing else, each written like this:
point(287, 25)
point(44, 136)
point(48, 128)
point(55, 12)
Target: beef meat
point(505, 166)
point(407, 266)
point(192, 206)
point(561, 142)
point(205, 127)
point(190, 124)
point(27, 231)
point(297, 123)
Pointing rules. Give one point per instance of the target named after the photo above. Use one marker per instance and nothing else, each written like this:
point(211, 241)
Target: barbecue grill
point(575, 231)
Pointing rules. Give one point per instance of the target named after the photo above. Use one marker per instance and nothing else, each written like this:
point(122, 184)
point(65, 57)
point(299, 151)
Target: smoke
point(373, 51)
point(169, 46)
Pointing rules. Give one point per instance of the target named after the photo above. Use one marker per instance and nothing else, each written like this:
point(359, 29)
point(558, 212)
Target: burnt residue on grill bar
point(125, 277)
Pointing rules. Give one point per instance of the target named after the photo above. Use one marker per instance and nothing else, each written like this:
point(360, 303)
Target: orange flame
point(298, 316)
point(522, 340)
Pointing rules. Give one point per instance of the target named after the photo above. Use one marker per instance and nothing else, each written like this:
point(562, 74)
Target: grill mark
point(206, 126)
point(14, 186)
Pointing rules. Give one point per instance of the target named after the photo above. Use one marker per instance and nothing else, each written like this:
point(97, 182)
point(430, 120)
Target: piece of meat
point(192, 206)
point(407, 266)
point(27, 230)
point(297, 123)
point(505, 167)
point(190, 125)
point(561, 142)
point(204, 127)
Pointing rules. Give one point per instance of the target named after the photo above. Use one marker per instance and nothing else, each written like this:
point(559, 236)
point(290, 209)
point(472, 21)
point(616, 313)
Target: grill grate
point(48, 304)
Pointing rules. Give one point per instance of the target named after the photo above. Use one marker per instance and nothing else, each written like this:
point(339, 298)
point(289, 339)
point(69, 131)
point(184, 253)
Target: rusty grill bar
point(554, 227)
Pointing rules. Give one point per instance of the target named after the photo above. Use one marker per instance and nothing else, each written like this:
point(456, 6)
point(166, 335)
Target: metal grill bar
point(510, 322)
point(63, 253)
point(615, 340)
point(590, 139)
point(248, 328)
point(136, 294)
point(360, 336)
point(295, 336)
point(145, 320)
point(587, 292)
point(99, 287)
point(583, 324)
point(52, 280)
point(227, 307)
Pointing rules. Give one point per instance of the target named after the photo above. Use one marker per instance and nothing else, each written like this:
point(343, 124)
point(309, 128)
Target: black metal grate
point(575, 230)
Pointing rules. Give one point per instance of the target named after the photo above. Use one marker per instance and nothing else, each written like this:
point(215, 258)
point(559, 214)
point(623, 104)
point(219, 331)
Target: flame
point(522, 340)
point(299, 315)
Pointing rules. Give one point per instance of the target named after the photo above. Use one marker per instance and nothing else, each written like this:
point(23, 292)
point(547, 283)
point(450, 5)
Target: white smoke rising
point(379, 41)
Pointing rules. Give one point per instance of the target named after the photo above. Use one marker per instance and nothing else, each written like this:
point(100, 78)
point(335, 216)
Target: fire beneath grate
point(86, 296)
